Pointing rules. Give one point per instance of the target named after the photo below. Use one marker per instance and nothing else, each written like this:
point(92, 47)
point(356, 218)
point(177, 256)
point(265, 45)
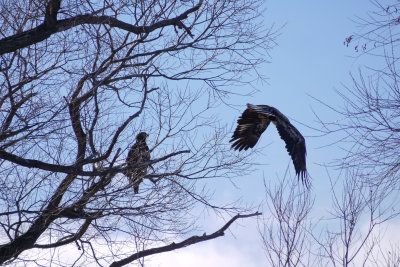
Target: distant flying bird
point(253, 122)
point(138, 153)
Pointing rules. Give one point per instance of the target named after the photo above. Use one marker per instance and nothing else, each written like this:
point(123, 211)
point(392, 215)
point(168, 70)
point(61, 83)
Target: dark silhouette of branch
point(69, 239)
point(13, 111)
point(72, 169)
point(187, 242)
point(52, 9)
point(51, 26)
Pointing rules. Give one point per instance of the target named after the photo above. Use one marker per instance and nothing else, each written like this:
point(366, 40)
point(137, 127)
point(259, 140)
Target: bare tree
point(370, 116)
point(366, 193)
point(286, 228)
point(348, 236)
point(79, 80)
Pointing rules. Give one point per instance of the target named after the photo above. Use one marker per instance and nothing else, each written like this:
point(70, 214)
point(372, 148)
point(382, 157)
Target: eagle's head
point(141, 136)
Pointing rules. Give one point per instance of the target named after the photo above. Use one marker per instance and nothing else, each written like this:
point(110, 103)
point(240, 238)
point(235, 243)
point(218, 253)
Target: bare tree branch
point(73, 169)
point(52, 26)
point(187, 242)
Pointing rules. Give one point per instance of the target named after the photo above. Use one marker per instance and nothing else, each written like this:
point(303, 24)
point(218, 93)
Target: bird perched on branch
point(139, 153)
point(253, 122)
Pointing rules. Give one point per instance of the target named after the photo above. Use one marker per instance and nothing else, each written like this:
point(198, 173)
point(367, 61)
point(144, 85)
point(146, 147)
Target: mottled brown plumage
point(138, 153)
point(255, 120)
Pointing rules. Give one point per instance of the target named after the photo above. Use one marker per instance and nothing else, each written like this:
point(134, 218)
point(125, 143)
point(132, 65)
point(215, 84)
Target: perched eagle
point(138, 153)
point(253, 122)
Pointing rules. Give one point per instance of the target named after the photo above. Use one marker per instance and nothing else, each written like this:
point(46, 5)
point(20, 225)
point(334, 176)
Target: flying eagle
point(253, 122)
point(138, 153)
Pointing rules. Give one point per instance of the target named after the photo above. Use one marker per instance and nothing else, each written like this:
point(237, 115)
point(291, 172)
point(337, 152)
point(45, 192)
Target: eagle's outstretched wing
point(253, 123)
point(250, 127)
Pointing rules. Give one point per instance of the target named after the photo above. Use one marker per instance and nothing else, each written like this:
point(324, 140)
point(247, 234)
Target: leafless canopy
point(366, 194)
point(370, 116)
point(286, 228)
point(79, 79)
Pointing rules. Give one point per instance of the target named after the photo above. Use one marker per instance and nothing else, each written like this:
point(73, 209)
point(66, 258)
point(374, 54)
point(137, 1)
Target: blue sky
point(310, 59)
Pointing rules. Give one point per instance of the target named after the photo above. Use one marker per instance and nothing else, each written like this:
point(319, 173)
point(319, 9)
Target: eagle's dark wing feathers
point(249, 129)
point(295, 142)
point(138, 153)
point(295, 145)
